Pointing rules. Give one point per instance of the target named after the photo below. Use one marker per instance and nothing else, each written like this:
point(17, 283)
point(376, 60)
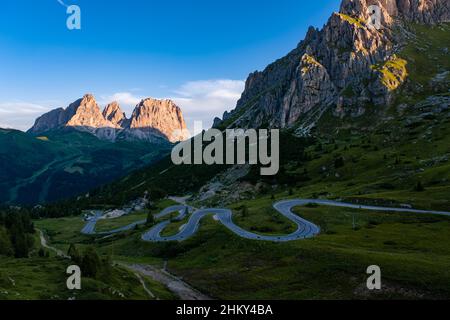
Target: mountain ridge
point(347, 67)
point(152, 120)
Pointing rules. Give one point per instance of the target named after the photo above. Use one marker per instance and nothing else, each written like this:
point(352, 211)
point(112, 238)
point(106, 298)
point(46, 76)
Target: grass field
point(174, 227)
point(411, 250)
point(63, 231)
point(45, 278)
point(111, 224)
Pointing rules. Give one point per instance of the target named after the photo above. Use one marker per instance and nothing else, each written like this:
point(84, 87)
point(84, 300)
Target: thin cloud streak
point(20, 114)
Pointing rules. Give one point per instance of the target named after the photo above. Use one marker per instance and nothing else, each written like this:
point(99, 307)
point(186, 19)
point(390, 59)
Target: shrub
point(419, 187)
point(74, 254)
point(339, 162)
point(41, 253)
point(150, 219)
point(244, 211)
point(91, 264)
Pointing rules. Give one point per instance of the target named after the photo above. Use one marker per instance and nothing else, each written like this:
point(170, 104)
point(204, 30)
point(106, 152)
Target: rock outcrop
point(346, 67)
point(115, 115)
point(418, 11)
point(161, 115)
point(83, 113)
point(152, 120)
point(49, 121)
point(86, 113)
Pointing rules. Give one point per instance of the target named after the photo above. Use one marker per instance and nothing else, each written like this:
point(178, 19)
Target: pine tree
point(150, 219)
point(21, 248)
point(74, 254)
point(41, 253)
point(6, 247)
point(107, 267)
point(91, 264)
point(419, 187)
point(339, 162)
point(244, 211)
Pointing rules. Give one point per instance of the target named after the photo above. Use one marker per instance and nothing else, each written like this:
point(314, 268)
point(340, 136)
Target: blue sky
point(196, 52)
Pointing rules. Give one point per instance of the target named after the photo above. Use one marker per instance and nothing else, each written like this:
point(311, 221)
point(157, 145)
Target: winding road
point(305, 228)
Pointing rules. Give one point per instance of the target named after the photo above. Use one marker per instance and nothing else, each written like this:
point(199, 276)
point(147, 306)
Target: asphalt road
point(305, 228)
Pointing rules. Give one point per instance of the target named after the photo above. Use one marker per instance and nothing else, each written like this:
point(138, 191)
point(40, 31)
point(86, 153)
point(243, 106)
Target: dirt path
point(174, 284)
point(146, 289)
point(44, 243)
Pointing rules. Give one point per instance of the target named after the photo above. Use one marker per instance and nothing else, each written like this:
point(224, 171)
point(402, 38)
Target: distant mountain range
point(152, 120)
point(70, 151)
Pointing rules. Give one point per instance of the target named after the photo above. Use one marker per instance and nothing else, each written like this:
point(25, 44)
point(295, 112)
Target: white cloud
point(217, 92)
point(18, 108)
point(199, 100)
point(126, 98)
point(206, 99)
point(20, 115)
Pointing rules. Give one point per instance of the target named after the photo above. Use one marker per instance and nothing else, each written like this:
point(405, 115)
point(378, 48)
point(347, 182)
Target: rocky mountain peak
point(345, 67)
point(87, 114)
point(152, 120)
point(164, 116)
point(419, 11)
point(114, 114)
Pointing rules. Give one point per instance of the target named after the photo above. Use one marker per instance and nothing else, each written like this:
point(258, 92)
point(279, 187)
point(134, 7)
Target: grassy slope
point(426, 53)
point(411, 251)
point(111, 224)
point(384, 165)
point(63, 164)
point(45, 278)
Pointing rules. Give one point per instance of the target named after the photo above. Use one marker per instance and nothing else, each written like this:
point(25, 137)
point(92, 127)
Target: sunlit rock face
point(161, 115)
point(338, 68)
point(152, 120)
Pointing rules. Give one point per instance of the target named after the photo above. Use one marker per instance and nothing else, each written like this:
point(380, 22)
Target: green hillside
point(63, 164)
